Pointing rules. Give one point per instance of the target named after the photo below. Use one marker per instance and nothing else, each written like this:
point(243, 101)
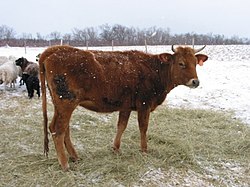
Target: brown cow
point(110, 81)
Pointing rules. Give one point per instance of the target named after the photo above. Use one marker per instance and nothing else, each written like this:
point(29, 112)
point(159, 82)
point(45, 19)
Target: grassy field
point(186, 148)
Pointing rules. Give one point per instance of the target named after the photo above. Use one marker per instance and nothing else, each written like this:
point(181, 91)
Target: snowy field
point(224, 78)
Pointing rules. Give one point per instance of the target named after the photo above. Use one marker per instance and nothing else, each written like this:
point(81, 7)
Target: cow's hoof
point(74, 159)
point(144, 152)
point(115, 150)
point(65, 168)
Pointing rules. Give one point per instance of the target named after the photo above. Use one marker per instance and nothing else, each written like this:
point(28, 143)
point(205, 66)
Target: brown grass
point(186, 147)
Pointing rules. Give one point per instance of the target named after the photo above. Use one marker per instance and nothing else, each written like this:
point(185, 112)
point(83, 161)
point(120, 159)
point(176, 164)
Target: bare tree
point(120, 34)
point(107, 34)
point(55, 35)
point(39, 36)
point(79, 35)
point(131, 36)
point(67, 38)
point(26, 36)
point(92, 35)
point(6, 32)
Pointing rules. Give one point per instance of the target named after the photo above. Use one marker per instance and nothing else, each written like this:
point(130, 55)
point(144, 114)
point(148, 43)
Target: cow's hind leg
point(69, 146)
point(58, 129)
point(121, 126)
point(143, 119)
point(59, 145)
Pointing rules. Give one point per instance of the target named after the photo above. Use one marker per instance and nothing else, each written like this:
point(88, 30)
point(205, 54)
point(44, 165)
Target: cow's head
point(183, 65)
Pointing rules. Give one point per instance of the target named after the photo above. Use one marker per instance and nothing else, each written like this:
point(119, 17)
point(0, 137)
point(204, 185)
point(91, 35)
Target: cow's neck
point(171, 83)
point(166, 77)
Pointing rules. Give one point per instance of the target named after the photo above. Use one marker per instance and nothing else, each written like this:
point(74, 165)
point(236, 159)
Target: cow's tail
point(44, 104)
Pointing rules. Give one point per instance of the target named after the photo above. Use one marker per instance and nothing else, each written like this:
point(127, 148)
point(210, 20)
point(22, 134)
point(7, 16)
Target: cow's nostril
point(196, 82)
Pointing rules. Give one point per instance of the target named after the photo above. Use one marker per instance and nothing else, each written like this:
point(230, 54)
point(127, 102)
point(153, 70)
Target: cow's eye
point(182, 65)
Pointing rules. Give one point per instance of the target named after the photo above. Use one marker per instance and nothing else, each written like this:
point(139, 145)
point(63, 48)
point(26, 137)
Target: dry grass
point(186, 147)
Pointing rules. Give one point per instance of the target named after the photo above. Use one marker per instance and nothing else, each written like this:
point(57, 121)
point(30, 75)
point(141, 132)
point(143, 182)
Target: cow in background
point(30, 71)
point(32, 84)
point(107, 82)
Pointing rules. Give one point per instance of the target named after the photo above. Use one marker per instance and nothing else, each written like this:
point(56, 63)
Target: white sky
point(227, 17)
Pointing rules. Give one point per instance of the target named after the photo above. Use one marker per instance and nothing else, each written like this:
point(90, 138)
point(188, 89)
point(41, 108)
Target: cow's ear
point(165, 57)
point(201, 59)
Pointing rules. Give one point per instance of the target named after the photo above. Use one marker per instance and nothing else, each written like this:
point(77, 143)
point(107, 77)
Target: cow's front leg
point(121, 126)
point(143, 119)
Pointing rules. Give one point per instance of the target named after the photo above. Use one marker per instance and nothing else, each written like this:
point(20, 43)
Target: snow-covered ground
point(224, 78)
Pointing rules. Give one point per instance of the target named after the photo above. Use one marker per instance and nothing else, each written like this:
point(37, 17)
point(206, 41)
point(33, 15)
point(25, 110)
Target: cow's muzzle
point(193, 83)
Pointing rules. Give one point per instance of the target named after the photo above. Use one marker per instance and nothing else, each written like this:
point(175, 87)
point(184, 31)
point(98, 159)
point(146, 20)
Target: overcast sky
point(227, 17)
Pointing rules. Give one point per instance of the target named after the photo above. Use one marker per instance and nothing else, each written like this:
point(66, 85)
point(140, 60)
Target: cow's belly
point(100, 106)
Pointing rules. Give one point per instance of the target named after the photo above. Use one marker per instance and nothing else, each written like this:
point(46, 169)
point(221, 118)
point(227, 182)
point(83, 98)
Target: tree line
point(117, 34)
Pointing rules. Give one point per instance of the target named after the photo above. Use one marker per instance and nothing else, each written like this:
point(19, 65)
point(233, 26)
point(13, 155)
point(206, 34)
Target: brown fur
point(106, 82)
point(32, 69)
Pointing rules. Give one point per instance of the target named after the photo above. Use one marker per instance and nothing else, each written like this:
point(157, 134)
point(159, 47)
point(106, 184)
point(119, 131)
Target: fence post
point(25, 47)
point(87, 45)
